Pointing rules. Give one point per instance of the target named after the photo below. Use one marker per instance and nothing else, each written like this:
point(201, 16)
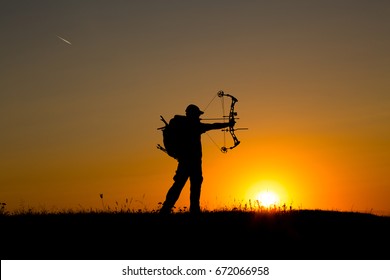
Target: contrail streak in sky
point(66, 41)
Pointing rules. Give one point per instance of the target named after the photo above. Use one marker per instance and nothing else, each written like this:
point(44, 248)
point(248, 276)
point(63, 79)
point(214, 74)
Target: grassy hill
point(297, 234)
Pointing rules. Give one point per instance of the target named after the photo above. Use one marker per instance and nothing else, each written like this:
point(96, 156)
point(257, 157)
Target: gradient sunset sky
point(79, 119)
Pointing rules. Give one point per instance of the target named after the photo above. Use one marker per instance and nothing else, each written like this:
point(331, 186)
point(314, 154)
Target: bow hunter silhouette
point(189, 155)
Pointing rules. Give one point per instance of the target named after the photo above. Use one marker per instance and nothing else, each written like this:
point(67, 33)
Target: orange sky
point(311, 79)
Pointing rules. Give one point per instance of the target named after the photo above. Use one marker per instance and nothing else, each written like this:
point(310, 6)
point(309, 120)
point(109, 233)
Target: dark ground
point(300, 235)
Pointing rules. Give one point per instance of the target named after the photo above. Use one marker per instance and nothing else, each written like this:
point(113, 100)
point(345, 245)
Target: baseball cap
point(193, 110)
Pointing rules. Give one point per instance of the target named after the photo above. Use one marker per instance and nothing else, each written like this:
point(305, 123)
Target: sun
point(267, 193)
point(267, 198)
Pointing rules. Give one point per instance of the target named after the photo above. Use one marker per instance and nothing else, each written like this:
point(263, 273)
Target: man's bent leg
point(173, 194)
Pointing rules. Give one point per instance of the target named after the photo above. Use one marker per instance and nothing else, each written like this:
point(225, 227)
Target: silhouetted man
point(189, 159)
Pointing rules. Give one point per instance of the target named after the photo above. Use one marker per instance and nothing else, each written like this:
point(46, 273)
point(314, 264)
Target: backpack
point(173, 133)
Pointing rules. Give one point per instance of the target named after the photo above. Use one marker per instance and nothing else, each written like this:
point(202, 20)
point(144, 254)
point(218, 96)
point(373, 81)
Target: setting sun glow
point(267, 198)
point(268, 193)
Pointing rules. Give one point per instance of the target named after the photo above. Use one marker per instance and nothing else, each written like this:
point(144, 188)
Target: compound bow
point(232, 120)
